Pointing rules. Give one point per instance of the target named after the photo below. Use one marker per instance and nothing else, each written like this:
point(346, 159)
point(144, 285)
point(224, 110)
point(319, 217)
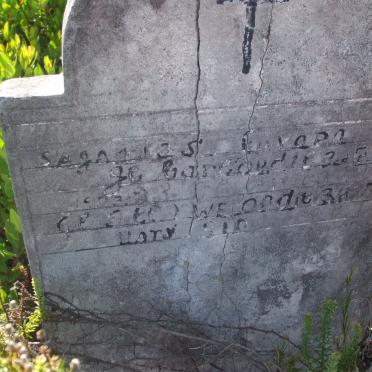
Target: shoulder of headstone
point(39, 86)
point(30, 93)
point(36, 93)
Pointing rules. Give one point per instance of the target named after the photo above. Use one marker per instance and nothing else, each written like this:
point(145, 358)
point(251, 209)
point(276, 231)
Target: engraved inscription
point(139, 191)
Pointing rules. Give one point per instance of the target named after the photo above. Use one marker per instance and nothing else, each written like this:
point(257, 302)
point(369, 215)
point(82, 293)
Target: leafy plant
point(323, 360)
point(30, 45)
point(34, 320)
point(325, 352)
point(19, 355)
point(348, 357)
point(12, 256)
point(306, 339)
point(20, 350)
point(30, 37)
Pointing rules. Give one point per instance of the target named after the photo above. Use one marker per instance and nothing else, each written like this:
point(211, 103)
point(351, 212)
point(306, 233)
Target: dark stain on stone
point(271, 294)
point(251, 8)
point(157, 4)
point(248, 35)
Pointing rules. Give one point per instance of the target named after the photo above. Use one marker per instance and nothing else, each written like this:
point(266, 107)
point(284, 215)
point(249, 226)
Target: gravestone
point(198, 177)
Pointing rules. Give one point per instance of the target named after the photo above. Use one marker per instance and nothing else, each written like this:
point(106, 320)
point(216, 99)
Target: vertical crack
point(258, 95)
point(187, 279)
point(196, 96)
point(223, 260)
point(197, 25)
point(225, 293)
point(196, 107)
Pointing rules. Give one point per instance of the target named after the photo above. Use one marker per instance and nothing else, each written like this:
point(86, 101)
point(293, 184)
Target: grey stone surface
point(199, 176)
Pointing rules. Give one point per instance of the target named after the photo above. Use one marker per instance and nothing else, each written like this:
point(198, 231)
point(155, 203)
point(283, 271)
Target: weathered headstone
point(202, 170)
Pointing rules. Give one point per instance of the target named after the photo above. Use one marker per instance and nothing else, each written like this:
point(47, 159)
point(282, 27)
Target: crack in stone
point(64, 310)
point(223, 261)
point(248, 132)
point(196, 96)
point(196, 107)
point(193, 217)
point(187, 279)
point(223, 292)
point(178, 336)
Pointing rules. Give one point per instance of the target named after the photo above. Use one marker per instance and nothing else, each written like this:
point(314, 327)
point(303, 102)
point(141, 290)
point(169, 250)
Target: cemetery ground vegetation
point(324, 348)
point(30, 45)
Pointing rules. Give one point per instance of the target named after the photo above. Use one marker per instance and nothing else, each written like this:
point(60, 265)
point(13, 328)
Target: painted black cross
point(251, 7)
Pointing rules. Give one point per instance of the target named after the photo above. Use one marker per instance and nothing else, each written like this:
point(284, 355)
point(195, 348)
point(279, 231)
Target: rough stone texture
point(199, 176)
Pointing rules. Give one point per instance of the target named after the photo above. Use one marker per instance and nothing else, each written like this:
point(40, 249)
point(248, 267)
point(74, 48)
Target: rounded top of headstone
point(140, 55)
